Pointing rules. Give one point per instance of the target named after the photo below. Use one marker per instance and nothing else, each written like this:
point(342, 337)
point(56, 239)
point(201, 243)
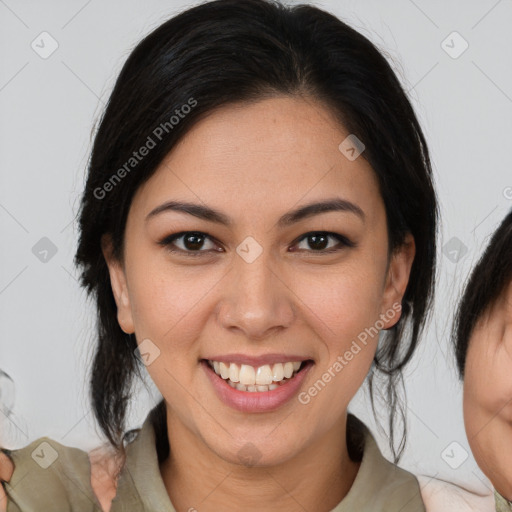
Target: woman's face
point(488, 393)
point(251, 288)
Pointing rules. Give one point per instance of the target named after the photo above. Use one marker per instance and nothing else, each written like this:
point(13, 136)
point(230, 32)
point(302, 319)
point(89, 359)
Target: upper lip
point(257, 361)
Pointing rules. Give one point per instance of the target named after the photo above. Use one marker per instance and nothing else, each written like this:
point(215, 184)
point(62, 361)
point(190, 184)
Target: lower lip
point(257, 401)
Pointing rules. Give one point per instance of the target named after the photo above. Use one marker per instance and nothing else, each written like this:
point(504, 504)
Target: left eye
point(193, 242)
point(318, 240)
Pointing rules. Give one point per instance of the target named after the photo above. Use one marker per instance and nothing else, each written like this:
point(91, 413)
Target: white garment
point(441, 496)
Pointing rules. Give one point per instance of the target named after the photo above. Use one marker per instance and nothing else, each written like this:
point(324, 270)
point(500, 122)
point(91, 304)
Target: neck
point(317, 478)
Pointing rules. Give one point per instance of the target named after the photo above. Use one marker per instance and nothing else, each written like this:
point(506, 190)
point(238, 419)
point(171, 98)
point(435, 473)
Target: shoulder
point(439, 496)
point(46, 474)
point(381, 485)
point(399, 489)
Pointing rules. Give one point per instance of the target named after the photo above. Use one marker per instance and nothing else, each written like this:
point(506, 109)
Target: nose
point(256, 301)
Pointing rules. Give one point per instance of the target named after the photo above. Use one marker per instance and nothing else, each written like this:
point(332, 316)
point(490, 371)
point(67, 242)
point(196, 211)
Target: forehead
point(273, 153)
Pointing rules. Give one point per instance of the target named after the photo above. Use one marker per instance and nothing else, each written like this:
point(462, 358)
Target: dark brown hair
point(486, 283)
point(227, 51)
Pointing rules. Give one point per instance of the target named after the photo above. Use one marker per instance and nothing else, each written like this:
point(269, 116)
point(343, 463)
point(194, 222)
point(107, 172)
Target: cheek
point(504, 385)
point(344, 306)
point(343, 309)
point(488, 381)
point(170, 307)
point(345, 302)
point(477, 400)
point(166, 299)
point(501, 387)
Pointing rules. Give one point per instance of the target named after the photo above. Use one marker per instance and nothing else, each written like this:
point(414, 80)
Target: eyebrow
point(304, 212)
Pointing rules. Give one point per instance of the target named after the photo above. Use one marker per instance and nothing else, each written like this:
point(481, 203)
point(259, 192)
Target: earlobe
point(397, 279)
point(119, 286)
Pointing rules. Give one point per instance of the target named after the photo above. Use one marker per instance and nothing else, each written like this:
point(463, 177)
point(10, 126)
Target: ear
point(119, 286)
point(396, 281)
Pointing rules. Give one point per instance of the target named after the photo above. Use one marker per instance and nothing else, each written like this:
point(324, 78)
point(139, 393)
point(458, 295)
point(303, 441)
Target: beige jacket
point(49, 476)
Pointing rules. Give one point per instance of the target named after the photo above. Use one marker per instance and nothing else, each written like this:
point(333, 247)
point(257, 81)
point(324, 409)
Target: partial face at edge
point(303, 296)
point(488, 393)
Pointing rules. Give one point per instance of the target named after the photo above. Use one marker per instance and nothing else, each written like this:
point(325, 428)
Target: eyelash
point(168, 241)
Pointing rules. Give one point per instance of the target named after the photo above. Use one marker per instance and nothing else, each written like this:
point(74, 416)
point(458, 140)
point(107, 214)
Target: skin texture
point(105, 467)
point(255, 163)
point(488, 393)
point(6, 470)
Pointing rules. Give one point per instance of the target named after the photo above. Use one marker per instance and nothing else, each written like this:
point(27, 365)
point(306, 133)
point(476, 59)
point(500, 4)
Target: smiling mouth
point(248, 378)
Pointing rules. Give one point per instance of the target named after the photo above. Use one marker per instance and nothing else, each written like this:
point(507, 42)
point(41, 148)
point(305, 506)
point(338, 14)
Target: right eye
point(191, 241)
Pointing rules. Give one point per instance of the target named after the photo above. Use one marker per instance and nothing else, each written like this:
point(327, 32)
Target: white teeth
point(224, 370)
point(264, 375)
point(241, 387)
point(247, 375)
point(247, 378)
point(278, 372)
point(234, 373)
point(288, 370)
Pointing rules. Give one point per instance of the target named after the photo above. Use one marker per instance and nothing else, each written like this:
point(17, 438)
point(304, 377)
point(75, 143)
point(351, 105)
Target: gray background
point(48, 108)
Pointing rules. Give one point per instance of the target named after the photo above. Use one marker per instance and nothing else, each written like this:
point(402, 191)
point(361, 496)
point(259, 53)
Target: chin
point(256, 453)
